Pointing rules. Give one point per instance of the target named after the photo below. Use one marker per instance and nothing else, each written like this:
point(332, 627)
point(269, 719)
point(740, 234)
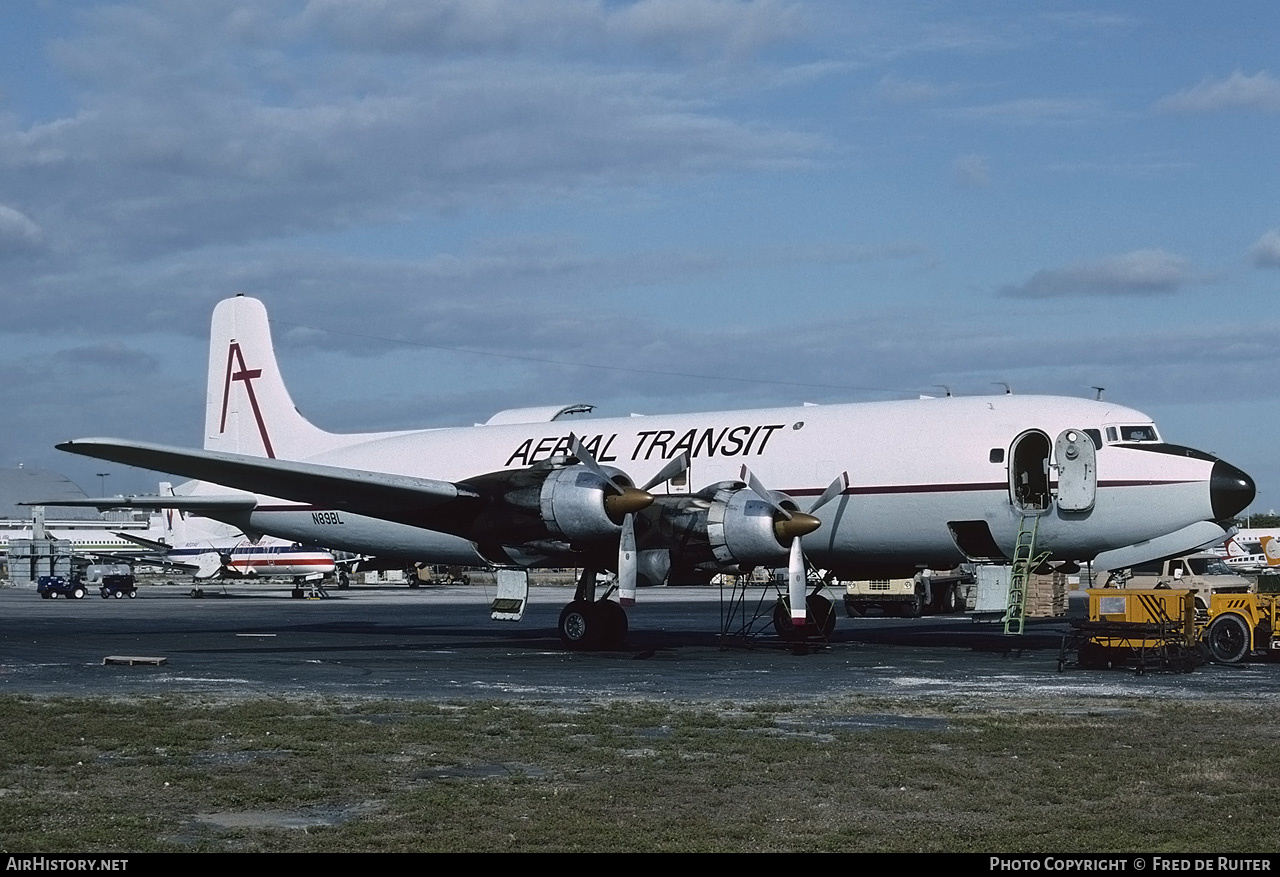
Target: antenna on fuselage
point(945, 389)
point(1099, 396)
point(1008, 390)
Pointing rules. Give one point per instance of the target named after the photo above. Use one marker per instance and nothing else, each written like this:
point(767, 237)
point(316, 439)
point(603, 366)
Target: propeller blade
point(834, 489)
point(763, 492)
point(627, 562)
point(669, 471)
point(588, 459)
point(796, 584)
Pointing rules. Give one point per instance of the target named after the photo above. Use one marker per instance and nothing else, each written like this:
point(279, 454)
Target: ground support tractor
point(49, 587)
point(1144, 629)
point(1240, 625)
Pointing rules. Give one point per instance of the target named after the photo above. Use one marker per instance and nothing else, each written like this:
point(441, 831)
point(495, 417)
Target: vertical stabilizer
point(247, 408)
point(172, 521)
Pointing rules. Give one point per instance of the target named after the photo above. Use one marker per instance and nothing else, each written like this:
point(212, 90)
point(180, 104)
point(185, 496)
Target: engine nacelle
point(547, 503)
point(725, 528)
point(572, 503)
point(740, 528)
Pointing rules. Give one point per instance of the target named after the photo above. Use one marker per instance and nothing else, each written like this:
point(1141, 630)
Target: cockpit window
point(1145, 433)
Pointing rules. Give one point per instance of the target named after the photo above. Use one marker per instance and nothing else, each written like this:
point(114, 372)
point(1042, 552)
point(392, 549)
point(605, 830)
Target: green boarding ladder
point(1024, 561)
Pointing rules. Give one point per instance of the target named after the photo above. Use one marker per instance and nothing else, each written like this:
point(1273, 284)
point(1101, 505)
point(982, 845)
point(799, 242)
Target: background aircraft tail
point(1271, 548)
point(247, 407)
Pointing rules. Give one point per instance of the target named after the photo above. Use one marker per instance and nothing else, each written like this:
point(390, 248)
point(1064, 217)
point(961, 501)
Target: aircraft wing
point(392, 497)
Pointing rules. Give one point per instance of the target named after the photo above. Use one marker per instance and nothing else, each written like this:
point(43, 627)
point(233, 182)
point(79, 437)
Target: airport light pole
point(102, 483)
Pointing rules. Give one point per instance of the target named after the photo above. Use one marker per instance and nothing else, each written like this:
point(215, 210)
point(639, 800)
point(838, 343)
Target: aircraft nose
point(1230, 490)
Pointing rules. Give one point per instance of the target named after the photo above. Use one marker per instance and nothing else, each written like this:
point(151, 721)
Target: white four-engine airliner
point(865, 489)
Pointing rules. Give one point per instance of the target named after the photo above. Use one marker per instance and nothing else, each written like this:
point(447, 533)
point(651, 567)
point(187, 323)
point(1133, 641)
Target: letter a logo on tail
point(238, 371)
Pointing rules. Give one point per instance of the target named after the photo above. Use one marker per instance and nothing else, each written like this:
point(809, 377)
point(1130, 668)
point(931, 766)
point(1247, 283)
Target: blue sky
point(455, 207)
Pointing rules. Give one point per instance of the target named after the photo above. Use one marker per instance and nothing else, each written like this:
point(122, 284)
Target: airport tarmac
point(438, 643)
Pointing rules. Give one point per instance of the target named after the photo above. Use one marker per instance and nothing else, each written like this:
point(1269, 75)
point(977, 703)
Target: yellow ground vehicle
point(1142, 627)
point(1149, 627)
point(1240, 625)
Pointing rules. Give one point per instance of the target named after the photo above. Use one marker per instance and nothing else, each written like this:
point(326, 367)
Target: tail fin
point(1271, 548)
point(247, 408)
point(173, 522)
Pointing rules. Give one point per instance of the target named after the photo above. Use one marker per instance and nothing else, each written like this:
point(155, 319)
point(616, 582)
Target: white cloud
point(1238, 91)
point(695, 28)
point(1138, 273)
point(1266, 252)
point(195, 128)
point(17, 232)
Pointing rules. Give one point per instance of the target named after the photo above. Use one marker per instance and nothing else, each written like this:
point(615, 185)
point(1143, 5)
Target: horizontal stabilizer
point(195, 504)
point(375, 493)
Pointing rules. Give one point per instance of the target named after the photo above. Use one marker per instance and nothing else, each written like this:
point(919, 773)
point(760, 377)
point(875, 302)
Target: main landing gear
point(588, 623)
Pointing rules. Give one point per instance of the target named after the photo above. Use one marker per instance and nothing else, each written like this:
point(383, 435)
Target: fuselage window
point(1096, 437)
point(997, 455)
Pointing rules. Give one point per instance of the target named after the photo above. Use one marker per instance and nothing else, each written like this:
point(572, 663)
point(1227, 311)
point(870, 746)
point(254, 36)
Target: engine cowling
point(577, 504)
point(727, 527)
point(558, 503)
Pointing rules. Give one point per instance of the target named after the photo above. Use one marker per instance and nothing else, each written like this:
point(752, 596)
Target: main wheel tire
point(821, 622)
point(951, 601)
point(119, 594)
point(78, 593)
point(1228, 638)
point(913, 607)
point(133, 592)
point(579, 625)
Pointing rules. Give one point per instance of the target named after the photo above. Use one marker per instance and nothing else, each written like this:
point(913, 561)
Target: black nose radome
point(1230, 491)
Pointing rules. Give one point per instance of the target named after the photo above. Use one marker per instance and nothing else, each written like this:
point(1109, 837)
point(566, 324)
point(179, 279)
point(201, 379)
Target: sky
point(452, 207)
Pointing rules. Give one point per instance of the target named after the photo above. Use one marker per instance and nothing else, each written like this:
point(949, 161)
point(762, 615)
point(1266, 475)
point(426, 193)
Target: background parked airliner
point(207, 548)
point(866, 490)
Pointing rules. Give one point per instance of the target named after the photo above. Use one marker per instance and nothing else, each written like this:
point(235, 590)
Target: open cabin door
point(1029, 473)
point(1077, 471)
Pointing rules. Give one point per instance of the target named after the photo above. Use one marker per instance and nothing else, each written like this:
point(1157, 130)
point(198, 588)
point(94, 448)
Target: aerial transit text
point(725, 441)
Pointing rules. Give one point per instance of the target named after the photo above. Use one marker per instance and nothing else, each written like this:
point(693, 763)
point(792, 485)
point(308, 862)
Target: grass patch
point(177, 773)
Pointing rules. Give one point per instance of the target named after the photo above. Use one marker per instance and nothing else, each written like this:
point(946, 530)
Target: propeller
point(622, 507)
point(626, 500)
point(628, 564)
point(789, 525)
